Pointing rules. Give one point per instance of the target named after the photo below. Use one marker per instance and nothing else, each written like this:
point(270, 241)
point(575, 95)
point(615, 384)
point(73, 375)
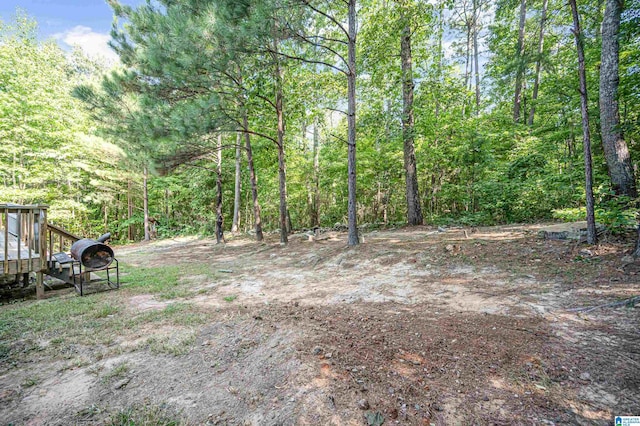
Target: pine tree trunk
point(467, 61)
point(616, 151)
point(517, 100)
point(252, 178)
point(440, 58)
point(167, 215)
point(536, 83)
point(219, 216)
point(118, 207)
point(106, 218)
point(315, 201)
point(351, 124)
point(145, 203)
point(586, 134)
point(467, 66)
point(476, 55)
point(282, 170)
point(237, 186)
point(414, 210)
point(132, 231)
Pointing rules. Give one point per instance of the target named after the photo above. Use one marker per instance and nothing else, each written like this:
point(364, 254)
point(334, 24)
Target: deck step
point(63, 258)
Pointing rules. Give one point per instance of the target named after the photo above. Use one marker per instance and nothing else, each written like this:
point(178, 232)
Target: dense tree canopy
point(466, 112)
point(48, 152)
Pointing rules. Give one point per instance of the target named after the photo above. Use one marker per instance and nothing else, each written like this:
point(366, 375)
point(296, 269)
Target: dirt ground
point(414, 327)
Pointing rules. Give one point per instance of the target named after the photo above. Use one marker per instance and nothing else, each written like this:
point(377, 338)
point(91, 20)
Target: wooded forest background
point(252, 115)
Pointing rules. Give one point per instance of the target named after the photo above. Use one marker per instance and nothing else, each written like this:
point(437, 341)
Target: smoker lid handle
point(104, 237)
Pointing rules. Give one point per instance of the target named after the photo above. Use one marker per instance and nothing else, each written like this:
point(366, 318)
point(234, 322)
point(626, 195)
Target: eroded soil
point(415, 326)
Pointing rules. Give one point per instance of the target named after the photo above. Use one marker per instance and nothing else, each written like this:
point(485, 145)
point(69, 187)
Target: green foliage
point(192, 69)
point(47, 155)
point(618, 214)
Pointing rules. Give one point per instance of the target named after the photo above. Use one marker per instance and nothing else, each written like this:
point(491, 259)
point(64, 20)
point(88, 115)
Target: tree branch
point(301, 59)
point(326, 15)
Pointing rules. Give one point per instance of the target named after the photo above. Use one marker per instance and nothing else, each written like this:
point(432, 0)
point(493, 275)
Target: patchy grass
point(164, 281)
point(177, 344)
point(119, 371)
point(230, 298)
point(106, 310)
point(59, 327)
point(144, 415)
point(31, 381)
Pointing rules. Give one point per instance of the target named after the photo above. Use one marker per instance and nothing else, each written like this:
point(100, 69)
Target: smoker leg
point(40, 285)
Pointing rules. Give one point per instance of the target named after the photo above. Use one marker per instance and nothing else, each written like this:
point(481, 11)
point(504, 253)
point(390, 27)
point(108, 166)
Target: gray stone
point(363, 404)
point(585, 376)
point(568, 231)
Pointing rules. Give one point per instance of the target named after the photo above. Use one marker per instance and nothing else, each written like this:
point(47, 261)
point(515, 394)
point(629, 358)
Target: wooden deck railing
point(23, 234)
point(59, 240)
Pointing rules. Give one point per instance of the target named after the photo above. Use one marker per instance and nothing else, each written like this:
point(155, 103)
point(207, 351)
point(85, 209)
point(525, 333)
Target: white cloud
point(92, 43)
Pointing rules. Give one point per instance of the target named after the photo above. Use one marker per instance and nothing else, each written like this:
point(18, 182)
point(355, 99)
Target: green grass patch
point(99, 320)
point(230, 298)
point(119, 371)
point(30, 381)
point(151, 280)
point(175, 345)
point(144, 415)
point(106, 310)
point(4, 351)
point(165, 281)
point(175, 314)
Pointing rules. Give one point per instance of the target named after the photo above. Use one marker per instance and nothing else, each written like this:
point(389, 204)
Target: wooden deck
point(20, 258)
point(23, 241)
point(28, 242)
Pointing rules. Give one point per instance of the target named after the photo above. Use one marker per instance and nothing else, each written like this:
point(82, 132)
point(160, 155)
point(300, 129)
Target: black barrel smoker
point(92, 256)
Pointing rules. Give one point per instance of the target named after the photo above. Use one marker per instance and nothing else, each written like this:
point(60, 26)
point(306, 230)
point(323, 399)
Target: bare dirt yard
point(412, 327)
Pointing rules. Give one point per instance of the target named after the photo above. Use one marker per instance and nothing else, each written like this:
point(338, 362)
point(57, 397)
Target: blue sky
point(85, 23)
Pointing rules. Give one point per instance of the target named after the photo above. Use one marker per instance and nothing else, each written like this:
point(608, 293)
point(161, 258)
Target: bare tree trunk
point(252, 178)
point(520, 65)
point(106, 218)
point(166, 205)
point(476, 17)
point(219, 216)
point(592, 237)
point(315, 201)
point(118, 207)
point(536, 83)
point(440, 57)
point(145, 204)
point(615, 148)
point(237, 186)
point(351, 123)
point(282, 170)
point(414, 210)
point(132, 231)
point(467, 62)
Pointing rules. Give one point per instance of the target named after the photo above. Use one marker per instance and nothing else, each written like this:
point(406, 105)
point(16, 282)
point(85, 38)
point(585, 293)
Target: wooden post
point(30, 226)
point(6, 241)
point(19, 239)
point(42, 249)
point(40, 285)
point(50, 253)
